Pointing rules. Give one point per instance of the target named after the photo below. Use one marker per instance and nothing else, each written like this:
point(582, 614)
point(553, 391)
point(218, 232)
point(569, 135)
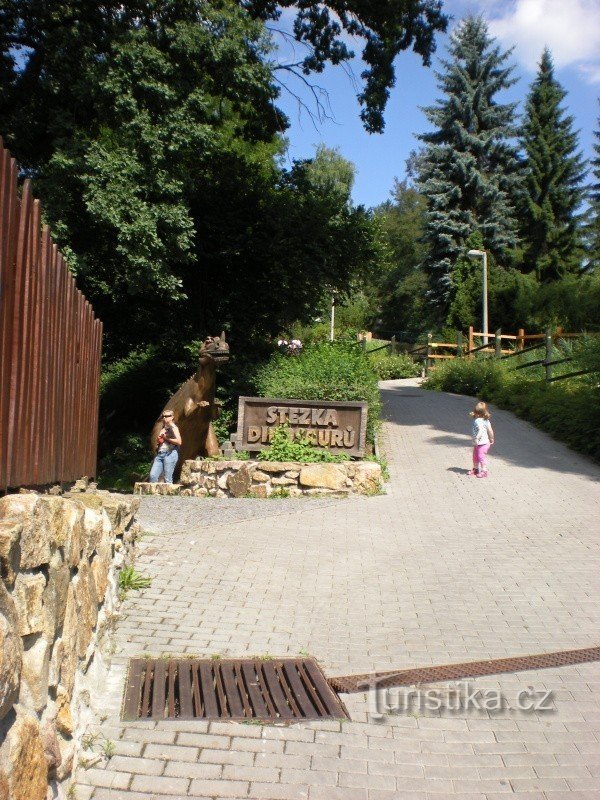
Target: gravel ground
point(185, 514)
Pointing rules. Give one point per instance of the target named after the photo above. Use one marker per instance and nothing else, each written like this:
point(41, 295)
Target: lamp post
point(483, 255)
point(331, 327)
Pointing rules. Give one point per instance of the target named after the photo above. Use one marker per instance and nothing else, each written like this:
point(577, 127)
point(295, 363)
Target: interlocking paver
point(441, 569)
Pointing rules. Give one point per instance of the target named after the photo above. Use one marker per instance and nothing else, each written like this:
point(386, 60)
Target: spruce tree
point(593, 227)
point(551, 228)
point(469, 170)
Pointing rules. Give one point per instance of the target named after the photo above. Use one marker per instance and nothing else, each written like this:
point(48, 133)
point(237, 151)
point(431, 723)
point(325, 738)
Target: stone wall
point(58, 558)
point(264, 478)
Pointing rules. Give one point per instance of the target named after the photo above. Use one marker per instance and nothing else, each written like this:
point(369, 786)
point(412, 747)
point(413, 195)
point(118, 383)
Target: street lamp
point(332, 325)
point(483, 255)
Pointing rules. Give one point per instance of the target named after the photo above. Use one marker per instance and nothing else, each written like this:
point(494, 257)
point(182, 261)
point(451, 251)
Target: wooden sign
point(338, 427)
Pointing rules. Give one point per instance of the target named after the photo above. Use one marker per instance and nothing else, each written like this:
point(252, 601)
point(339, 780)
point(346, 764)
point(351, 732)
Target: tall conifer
point(469, 169)
point(551, 228)
point(593, 229)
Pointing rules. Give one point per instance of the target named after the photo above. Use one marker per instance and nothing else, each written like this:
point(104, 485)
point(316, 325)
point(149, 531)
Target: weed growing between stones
point(129, 578)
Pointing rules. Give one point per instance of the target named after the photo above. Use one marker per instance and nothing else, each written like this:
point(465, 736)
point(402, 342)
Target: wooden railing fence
point(50, 348)
point(427, 352)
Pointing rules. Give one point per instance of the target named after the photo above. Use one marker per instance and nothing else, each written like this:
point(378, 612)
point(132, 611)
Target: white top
point(481, 430)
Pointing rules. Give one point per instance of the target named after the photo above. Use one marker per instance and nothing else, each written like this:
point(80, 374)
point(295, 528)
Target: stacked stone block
point(58, 558)
point(204, 478)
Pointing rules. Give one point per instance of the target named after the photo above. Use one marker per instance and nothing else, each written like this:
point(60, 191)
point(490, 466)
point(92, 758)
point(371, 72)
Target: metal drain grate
point(277, 690)
point(349, 684)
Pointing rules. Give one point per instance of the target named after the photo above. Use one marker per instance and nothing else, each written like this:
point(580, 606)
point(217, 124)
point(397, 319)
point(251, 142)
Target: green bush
point(284, 448)
point(389, 368)
point(475, 377)
point(324, 371)
point(127, 463)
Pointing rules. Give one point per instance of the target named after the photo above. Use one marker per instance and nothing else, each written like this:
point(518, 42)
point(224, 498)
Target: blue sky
point(571, 28)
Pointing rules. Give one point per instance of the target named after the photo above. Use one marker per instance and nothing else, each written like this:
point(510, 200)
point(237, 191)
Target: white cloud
point(591, 72)
point(570, 28)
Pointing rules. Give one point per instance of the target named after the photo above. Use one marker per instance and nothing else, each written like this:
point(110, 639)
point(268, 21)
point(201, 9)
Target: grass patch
point(130, 579)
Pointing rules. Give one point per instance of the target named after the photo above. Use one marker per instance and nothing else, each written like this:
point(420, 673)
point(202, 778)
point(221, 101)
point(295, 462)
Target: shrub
point(475, 377)
point(392, 367)
point(284, 448)
point(324, 371)
point(127, 463)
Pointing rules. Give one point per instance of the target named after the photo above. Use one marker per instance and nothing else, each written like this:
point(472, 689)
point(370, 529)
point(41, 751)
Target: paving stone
point(171, 752)
point(163, 785)
point(183, 769)
point(141, 766)
point(486, 569)
point(219, 788)
point(277, 791)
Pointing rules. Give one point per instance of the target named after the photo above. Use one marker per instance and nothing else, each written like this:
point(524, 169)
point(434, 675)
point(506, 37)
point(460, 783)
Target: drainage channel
point(274, 690)
point(288, 689)
point(350, 684)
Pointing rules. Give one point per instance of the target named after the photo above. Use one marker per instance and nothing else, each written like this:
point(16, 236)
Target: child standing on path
point(483, 439)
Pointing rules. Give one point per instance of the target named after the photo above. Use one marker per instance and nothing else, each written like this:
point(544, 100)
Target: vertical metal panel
point(50, 350)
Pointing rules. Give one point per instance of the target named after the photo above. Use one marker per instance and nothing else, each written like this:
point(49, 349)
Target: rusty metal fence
point(50, 348)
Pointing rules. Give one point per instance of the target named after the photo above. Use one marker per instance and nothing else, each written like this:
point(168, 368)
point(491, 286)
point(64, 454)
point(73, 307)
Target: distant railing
point(427, 351)
point(50, 347)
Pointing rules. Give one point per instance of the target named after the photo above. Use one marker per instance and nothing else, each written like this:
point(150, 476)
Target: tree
point(593, 227)
point(468, 169)
point(467, 285)
point(163, 188)
point(401, 283)
point(387, 27)
point(329, 171)
point(550, 226)
point(402, 220)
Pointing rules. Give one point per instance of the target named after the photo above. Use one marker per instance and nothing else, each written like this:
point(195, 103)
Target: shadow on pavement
point(517, 442)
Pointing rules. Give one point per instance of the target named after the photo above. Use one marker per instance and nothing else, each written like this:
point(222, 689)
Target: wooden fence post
point(428, 353)
point(459, 344)
point(498, 343)
point(393, 346)
point(548, 354)
point(471, 341)
point(520, 338)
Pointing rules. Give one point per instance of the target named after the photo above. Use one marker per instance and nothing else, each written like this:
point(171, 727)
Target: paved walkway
point(444, 568)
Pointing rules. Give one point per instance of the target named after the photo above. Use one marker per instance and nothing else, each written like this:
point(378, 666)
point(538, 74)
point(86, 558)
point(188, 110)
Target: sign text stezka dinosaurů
point(340, 427)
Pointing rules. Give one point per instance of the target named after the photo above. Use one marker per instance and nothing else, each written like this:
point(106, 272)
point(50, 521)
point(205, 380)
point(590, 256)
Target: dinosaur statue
point(193, 405)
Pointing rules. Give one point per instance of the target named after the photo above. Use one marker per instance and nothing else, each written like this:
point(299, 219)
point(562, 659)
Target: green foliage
point(549, 223)
point(324, 371)
point(224, 424)
point(573, 302)
point(329, 172)
point(284, 448)
point(478, 377)
point(401, 285)
point(466, 286)
point(125, 463)
point(130, 579)
point(391, 367)
point(169, 171)
point(592, 229)
point(406, 310)
point(386, 29)
point(468, 169)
